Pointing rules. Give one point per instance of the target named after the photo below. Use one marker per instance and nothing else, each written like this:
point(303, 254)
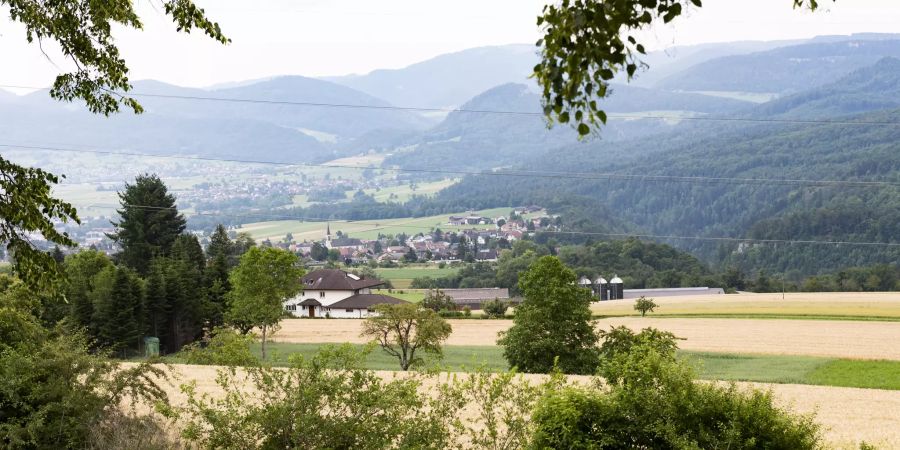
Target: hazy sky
point(335, 37)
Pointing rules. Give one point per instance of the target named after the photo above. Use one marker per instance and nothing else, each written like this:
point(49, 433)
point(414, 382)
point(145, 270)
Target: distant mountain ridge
point(783, 70)
point(448, 80)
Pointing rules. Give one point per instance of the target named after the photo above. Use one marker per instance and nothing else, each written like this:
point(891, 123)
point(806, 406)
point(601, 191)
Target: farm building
point(474, 298)
point(338, 294)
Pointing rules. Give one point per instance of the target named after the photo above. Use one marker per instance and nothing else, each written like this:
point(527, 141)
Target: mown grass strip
point(878, 374)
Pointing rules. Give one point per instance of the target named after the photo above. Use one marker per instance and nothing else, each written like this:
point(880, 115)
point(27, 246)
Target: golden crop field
point(862, 304)
point(828, 338)
point(847, 415)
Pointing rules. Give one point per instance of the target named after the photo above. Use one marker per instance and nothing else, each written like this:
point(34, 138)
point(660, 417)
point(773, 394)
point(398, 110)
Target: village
point(476, 244)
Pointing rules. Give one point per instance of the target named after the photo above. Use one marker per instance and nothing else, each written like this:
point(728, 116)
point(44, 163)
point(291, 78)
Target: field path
point(848, 415)
point(828, 338)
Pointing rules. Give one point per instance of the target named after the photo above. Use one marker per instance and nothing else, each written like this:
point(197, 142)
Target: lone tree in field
point(404, 329)
point(554, 321)
point(437, 300)
point(264, 278)
point(645, 305)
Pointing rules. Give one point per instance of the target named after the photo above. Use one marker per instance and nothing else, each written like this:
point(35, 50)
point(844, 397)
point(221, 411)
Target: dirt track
point(848, 415)
point(846, 339)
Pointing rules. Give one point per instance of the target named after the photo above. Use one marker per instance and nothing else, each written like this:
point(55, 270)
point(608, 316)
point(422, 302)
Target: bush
point(449, 314)
point(652, 401)
point(223, 347)
point(326, 401)
point(467, 311)
point(495, 308)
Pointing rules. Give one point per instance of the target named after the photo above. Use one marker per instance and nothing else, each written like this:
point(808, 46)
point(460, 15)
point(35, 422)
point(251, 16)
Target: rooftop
point(336, 280)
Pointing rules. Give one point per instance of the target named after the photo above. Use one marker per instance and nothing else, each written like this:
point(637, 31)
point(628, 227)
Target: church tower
point(328, 236)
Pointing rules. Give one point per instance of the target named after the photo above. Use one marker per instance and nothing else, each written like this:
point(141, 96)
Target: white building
point(337, 294)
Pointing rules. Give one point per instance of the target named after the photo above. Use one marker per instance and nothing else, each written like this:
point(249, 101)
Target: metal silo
point(616, 289)
point(601, 287)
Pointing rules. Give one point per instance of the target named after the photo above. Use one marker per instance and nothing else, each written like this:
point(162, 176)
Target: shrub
point(652, 401)
point(467, 311)
point(224, 347)
point(311, 405)
point(449, 314)
point(495, 308)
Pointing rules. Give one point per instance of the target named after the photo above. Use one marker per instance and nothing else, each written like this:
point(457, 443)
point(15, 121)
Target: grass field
point(403, 193)
point(710, 366)
point(397, 194)
point(401, 277)
point(369, 229)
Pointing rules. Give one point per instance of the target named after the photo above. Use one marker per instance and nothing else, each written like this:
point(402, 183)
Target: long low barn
point(474, 298)
point(671, 292)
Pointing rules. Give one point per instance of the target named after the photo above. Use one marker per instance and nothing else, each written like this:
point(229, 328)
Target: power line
point(381, 225)
point(508, 173)
point(617, 116)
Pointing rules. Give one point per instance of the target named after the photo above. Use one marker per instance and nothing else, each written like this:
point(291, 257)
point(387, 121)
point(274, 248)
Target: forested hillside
point(860, 147)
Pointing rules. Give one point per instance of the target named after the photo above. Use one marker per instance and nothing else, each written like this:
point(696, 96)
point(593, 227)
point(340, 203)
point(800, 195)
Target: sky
point(338, 37)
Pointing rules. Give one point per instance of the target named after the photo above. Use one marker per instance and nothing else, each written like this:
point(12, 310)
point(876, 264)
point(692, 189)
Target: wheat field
point(827, 338)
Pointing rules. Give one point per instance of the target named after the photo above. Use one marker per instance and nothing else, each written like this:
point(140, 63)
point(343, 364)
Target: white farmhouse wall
point(330, 298)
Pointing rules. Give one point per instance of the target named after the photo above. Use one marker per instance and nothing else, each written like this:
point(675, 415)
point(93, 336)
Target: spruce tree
point(218, 254)
point(118, 311)
point(150, 222)
point(157, 299)
point(81, 269)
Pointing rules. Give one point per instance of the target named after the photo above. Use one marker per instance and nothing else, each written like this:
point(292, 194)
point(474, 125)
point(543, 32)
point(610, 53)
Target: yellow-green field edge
point(777, 369)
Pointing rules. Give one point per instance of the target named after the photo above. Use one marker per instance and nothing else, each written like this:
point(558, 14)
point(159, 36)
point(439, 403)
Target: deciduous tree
point(644, 305)
point(27, 207)
point(261, 282)
point(405, 329)
point(553, 324)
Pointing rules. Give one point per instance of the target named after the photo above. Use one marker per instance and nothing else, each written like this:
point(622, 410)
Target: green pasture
point(871, 374)
point(402, 277)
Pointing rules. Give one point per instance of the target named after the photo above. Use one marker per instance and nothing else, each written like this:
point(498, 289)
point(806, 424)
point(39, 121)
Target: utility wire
point(489, 111)
point(382, 225)
point(511, 173)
